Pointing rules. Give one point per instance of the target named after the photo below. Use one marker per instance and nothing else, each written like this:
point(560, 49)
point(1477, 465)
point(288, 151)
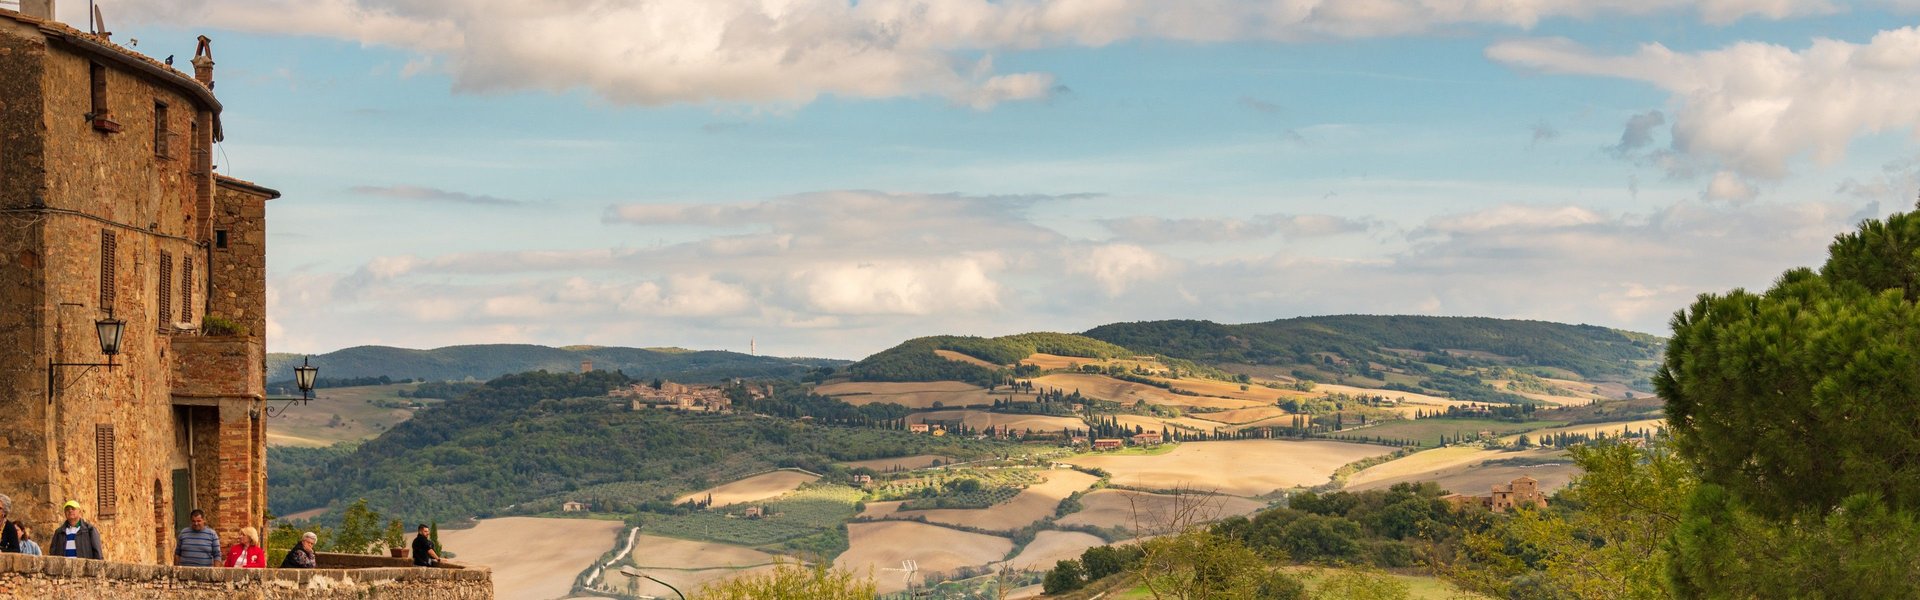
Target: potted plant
point(395, 538)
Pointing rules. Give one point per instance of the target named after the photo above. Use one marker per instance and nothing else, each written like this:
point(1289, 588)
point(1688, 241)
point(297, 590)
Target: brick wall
point(44, 578)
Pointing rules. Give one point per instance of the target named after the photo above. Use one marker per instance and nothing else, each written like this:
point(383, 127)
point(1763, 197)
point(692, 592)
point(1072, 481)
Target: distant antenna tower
point(753, 347)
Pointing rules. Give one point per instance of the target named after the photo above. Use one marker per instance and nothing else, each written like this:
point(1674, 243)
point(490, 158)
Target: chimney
point(202, 61)
point(39, 9)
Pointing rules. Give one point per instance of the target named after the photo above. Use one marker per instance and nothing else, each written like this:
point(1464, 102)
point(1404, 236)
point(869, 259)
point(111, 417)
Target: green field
point(815, 510)
point(1428, 431)
point(349, 414)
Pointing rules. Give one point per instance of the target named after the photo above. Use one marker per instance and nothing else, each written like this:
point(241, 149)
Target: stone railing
point(47, 578)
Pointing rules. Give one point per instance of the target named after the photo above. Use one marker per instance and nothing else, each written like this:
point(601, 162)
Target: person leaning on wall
point(75, 537)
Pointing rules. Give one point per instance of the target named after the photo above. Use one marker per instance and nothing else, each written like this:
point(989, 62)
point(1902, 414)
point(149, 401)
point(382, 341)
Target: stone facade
point(109, 203)
point(45, 578)
point(1523, 491)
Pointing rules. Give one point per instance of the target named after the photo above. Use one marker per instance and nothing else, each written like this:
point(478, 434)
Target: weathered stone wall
point(43, 578)
point(240, 269)
point(71, 183)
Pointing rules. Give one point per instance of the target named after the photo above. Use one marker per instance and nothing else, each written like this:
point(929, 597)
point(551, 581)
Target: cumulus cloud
point(1752, 107)
point(1161, 230)
point(1728, 187)
point(654, 52)
point(414, 193)
point(1117, 266)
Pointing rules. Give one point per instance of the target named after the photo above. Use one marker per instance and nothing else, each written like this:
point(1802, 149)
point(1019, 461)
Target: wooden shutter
point(107, 495)
point(166, 292)
point(108, 247)
point(186, 289)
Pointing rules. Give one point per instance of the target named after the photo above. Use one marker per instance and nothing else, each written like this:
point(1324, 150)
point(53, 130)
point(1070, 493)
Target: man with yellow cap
point(75, 538)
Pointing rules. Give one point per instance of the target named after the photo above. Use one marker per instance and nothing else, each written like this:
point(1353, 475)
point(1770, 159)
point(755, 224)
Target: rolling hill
point(488, 361)
point(1590, 351)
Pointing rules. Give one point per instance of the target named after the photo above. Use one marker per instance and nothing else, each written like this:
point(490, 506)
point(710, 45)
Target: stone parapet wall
point(218, 367)
point(44, 578)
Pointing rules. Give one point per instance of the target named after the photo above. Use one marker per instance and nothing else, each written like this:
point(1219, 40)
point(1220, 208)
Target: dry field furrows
point(883, 544)
point(914, 394)
point(1462, 469)
point(653, 551)
point(1131, 509)
point(532, 558)
point(1127, 392)
point(1049, 547)
point(1032, 504)
point(1243, 415)
point(687, 580)
point(1423, 462)
point(752, 489)
point(1254, 393)
point(881, 510)
point(980, 420)
point(919, 461)
point(1258, 467)
point(958, 357)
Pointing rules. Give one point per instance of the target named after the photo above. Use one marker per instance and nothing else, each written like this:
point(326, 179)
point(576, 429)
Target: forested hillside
point(528, 436)
point(914, 360)
point(493, 360)
point(1590, 351)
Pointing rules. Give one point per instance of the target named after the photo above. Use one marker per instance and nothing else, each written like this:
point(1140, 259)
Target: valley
point(976, 462)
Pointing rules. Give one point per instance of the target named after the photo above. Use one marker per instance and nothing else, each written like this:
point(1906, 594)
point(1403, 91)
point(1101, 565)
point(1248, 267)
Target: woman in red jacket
point(247, 554)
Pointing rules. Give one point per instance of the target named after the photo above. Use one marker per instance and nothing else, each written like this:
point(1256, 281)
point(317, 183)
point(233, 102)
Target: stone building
point(1523, 491)
point(113, 212)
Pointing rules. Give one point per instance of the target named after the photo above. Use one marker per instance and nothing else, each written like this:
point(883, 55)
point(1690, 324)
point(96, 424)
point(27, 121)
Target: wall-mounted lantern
point(109, 329)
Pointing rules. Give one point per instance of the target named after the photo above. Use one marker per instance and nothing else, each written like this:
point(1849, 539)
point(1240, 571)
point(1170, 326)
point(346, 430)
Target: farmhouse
point(1150, 438)
point(1107, 444)
point(573, 506)
point(863, 480)
point(1524, 491)
point(917, 428)
point(754, 512)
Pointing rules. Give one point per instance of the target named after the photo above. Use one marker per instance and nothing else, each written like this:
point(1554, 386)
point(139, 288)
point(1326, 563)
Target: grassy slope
point(360, 419)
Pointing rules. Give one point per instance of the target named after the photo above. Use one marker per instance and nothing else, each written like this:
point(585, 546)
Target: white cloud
point(1752, 107)
point(786, 52)
point(899, 287)
point(1117, 266)
point(1729, 187)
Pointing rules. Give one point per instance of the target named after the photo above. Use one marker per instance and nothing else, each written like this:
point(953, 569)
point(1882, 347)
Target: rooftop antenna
point(99, 22)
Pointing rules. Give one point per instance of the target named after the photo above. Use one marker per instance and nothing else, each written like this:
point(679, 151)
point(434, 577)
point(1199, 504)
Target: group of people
point(73, 538)
point(196, 545)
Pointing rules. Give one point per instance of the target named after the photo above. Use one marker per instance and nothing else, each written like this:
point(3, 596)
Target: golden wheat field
point(1144, 511)
point(531, 558)
point(1127, 392)
point(1260, 467)
point(1049, 547)
point(1032, 504)
point(752, 489)
point(873, 547)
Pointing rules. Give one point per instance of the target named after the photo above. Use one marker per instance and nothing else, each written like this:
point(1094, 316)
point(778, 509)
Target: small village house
point(1108, 444)
point(573, 506)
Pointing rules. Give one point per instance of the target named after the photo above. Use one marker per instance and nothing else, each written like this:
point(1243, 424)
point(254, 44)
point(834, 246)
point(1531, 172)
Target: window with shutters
point(166, 292)
point(108, 497)
point(108, 246)
point(162, 133)
point(186, 289)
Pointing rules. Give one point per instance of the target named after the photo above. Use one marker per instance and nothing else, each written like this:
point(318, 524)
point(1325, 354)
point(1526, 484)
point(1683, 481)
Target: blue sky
point(831, 178)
